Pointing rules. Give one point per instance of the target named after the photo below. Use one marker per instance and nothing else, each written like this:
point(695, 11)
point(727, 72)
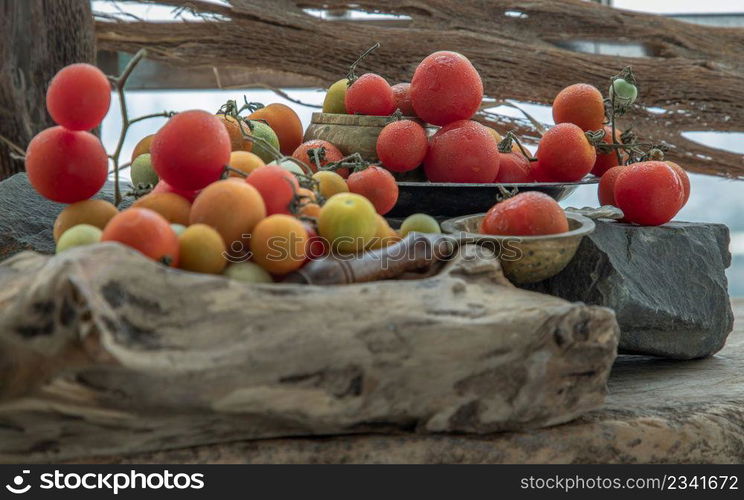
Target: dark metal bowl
point(454, 199)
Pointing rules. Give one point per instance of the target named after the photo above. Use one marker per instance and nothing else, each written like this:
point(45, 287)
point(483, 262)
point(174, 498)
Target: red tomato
point(539, 173)
point(649, 193)
point(370, 94)
point(565, 154)
point(78, 97)
point(277, 187)
point(164, 187)
point(463, 151)
point(682, 177)
point(606, 161)
point(66, 166)
point(402, 145)
point(527, 214)
point(446, 88)
point(377, 185)
point(606, 189)
point(191, 150)
point(147, 232)
point(331, 154)
point(514, 168)
point(580, 104)
point(402, 94)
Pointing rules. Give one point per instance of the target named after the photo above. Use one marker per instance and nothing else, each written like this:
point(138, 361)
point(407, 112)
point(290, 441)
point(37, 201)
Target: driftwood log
point(105, 352)
point(657, 411)
point(522, 49)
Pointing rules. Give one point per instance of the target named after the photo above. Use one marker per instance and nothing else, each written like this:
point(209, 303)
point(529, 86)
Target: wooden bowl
point(350, 133)
point(458, 199)
point(526, 259)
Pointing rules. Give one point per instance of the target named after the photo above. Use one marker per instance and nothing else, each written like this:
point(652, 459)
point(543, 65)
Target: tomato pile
point(229, 193)
point(238, 192)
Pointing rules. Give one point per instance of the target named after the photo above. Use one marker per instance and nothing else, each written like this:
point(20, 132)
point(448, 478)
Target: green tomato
point(178, 228)
point(260, 129)
point(248, 272)
point(290, 166)
point(335, 96)
point(419, 223)
point(142, 171)
point(76, 236)
point(623, 91)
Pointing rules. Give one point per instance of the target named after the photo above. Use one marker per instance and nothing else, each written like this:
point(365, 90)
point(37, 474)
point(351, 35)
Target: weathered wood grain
point(103, 351)
point(695, 73)
point(657, 411)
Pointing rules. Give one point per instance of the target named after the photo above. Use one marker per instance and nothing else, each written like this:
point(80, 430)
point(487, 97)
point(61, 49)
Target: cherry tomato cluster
point(220, 194)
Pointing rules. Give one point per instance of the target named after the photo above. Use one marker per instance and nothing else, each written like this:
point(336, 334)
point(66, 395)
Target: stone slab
point(666, 284)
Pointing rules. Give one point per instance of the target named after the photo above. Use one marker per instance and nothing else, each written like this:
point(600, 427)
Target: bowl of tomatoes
point(448, 199)
point(526, 257)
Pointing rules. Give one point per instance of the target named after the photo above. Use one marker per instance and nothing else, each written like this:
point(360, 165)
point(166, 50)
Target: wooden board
point(657, 411)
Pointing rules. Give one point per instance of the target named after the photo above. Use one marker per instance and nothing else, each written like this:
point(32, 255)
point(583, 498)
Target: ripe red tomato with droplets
point(649, 193)
point(66, 166)
point(565, 154)
point(277, 187)
point(527, 214)
point(370, 94)
point(514, 168)
point(606, 189)
point(606, 161)
point(539, 174)
point(190, 151)
point(445, 88)
point(377, 185)
point(463, 151)
point(164, 187)
point(330, 154)
point(147, 232)
point(581, 104)
point(402, 94)
point(78, 97)
point(402, 145)
point(682, 177)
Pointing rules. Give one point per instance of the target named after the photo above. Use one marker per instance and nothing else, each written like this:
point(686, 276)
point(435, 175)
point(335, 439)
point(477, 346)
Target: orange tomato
point(96, 213)
point(202, 250)
point(232, 207)
point(285, 123)
point(147, 232)
point(244, 161)
point(233, 127)
point(173, 207)
point(279, 244)
point(143, 146)
point(581, 104)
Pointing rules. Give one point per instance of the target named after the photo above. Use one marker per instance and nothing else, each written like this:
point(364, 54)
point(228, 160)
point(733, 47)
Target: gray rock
point(27, 218)
point(666, 284)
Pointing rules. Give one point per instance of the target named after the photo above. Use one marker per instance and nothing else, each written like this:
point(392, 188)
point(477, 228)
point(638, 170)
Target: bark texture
point(105, 352)
point(695, 73)
point(37, 39)
point(657, 411)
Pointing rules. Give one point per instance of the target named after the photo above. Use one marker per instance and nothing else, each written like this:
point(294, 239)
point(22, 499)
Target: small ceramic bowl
point(526, 259)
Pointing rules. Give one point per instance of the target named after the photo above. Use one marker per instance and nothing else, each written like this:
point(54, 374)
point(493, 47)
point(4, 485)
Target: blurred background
point(157, 87)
